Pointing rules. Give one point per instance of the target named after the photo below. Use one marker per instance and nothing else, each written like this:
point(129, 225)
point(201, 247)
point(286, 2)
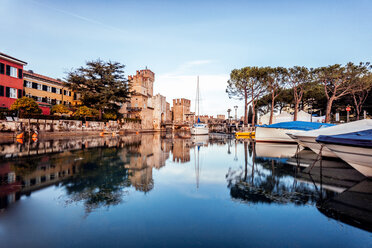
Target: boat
point(244, 135)
point(278, 132)
point(354, 148)
point(198, 128)
point(307, 139)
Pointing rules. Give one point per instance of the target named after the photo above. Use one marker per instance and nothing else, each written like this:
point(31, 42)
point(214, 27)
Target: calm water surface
point(164, 191)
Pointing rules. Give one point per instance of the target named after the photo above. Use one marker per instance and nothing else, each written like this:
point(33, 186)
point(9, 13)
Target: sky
point(179, 40)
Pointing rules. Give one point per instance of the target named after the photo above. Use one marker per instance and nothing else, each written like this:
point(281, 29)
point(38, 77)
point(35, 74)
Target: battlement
point(181, 101)
point(146, 73)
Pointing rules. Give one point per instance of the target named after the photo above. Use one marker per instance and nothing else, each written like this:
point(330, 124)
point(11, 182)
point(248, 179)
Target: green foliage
point(60, 109)
point(248, 83)
point(26, 105)
point(110, 116)
point(84, 111)
point(102, 85)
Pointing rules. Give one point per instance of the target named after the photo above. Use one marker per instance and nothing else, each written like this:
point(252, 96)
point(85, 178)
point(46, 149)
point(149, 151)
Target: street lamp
point(236, 115)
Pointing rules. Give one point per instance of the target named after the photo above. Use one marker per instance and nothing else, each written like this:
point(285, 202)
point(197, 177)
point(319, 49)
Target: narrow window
point(19, 93)
point(2, 68)
point(13, 72)
point(8, 70)
point(1, 90)
point(20, 73)
point(12, 93)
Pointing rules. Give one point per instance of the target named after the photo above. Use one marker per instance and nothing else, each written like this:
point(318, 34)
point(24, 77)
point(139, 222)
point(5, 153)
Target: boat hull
point(359, 158)
point(310, 142)
point(264, 134)
point(199, 130)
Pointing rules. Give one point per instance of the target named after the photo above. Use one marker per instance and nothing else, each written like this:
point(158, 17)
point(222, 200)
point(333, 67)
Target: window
point(54, 90)
point(38, 86)
point(65, 92)
point(13, 72)
point(19, 93)
point(20, 73)
point(1, 90)
point(29, 84)
point(45, 88)
point(2, 68)
point(13, 93)
point(38, 99)
point(49, 89)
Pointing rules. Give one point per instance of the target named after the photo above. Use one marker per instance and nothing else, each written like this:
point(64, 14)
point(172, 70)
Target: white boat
point(198, 128)
point(354, 148)
point(307, 139)
point(264, 134)
point(278, 132)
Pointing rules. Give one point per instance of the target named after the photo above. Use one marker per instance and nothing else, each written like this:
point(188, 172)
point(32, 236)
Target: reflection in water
point(275, 175)
point(103, 172)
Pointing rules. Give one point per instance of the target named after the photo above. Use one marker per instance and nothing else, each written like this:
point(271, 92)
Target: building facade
point(181, 111)
point(160, 110)
point(47, 91)
point(11, 80)
point(140, 105)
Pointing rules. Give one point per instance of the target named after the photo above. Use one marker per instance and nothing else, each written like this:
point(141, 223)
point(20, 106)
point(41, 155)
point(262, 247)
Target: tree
point(60, 109)
point(247, 83)
point(298, 77)
point(26, 105)
point(256, 78)
point(84, 111)
point(276, 79)
point(102, 85)
point(339, 81)
point(238, 88)
point(360, 92)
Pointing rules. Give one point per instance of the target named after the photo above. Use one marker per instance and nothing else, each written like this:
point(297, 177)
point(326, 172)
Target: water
point(165, 191)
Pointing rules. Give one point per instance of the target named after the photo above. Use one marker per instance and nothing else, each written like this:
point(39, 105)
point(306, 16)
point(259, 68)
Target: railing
point(134, 109)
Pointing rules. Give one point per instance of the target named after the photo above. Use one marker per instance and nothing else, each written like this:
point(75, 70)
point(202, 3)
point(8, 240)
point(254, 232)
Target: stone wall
point(65, 125)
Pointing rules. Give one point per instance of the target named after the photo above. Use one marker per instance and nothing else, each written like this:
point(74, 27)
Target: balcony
point(134, 109)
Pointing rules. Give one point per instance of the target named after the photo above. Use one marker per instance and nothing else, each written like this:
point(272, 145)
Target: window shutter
point(20, 73)
point(1, 90)
point(44, 87)
point(34, 85)
point(1, 68)
point(19, 93)
point(53, 89)
point(8, 70)
point(7, 92)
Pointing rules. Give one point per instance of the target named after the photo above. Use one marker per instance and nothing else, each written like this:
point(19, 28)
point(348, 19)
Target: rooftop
point(10, 58)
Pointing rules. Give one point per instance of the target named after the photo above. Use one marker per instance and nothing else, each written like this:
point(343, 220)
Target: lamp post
point(228, 114)
point(236, 115)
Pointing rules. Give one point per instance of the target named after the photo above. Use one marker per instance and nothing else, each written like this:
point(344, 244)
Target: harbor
point(163, 187)
point(186, 124)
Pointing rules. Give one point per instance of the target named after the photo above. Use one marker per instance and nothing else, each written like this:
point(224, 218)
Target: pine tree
point(101, 85)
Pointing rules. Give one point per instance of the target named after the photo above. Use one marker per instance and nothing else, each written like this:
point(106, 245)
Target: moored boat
point(354, 148)
point(308, 139)
point(198, 128)
point(278, 132)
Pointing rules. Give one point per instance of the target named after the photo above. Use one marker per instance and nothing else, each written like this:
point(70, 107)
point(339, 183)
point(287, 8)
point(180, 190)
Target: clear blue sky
point(181, 39)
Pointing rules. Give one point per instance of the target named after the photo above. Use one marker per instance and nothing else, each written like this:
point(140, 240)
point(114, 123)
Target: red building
point(11, 79)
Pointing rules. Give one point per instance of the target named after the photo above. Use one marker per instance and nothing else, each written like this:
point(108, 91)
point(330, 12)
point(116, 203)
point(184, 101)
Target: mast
point(197, 97)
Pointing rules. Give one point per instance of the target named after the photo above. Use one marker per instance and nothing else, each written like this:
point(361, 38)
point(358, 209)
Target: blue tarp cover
point(298, 125)
point(359, 139)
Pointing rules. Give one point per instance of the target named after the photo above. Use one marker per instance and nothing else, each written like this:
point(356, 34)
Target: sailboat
point(199, 128)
